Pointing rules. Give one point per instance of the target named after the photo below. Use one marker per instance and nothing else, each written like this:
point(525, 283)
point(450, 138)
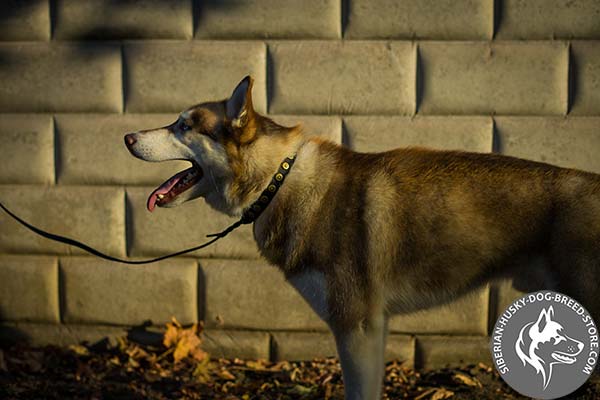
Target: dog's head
point(218, 139)
point(544, 343)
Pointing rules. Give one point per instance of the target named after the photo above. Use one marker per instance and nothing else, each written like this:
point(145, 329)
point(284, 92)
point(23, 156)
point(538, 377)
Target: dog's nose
point(130, 139)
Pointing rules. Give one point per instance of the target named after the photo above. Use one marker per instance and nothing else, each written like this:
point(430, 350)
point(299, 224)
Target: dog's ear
point(544, 318)
point(239, 106)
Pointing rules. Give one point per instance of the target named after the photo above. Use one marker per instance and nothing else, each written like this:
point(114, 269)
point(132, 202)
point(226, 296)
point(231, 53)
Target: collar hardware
point(255, 209)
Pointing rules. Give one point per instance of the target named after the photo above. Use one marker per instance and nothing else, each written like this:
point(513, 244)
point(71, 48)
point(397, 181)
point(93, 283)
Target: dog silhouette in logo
point(544, 343)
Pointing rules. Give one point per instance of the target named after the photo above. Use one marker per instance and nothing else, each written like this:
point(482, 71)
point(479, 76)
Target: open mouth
point(563, 358)
point(174, 186)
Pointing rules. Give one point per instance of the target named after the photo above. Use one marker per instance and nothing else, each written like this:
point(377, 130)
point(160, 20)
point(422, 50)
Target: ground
point(178, 368)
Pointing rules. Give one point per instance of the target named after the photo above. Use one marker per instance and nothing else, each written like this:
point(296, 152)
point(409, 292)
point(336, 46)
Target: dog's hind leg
point(361, 351)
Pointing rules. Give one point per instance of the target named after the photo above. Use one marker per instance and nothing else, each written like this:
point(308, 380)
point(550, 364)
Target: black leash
point(97, 253)
point(249, 216)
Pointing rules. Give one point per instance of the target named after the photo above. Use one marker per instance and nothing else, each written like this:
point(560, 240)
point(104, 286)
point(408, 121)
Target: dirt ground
point(177, 368)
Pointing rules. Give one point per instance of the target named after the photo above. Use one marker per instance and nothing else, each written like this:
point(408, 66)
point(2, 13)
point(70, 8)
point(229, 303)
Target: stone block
point(37, 334)
point(585, 62)
point(249, 345)
point(268, 19)
point(305, 346)
point(102, 292)
point(381, 133)
point(29, 288)
point(446, 351)
point(246, 294)
point(92, 215)
point(420, 19)
point(548, 19)
point(172, 76)
point(464, 316)
point(342, 78)
point(571, 142)
point(60, 77)
point(517, 78)
point(28, 149)
point(100, 19)
point(25, 20)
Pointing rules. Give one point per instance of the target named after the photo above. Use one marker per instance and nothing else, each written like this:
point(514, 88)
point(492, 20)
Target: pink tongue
point(164, 189)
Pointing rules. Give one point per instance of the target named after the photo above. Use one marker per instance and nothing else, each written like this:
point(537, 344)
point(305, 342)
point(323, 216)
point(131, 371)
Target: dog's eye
point(184, 127)
point(557, 339)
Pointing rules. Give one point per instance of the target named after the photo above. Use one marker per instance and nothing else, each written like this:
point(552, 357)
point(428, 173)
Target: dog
point(363, 236)
point(543, 344)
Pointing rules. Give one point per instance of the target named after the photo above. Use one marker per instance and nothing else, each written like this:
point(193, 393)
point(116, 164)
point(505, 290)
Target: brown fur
point(459, 219)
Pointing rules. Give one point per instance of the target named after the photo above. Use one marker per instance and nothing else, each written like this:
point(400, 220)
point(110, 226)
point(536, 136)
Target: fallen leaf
point(441, 394)
point(198, 354)
point(224, 374)
point(424, 394)
point(201, 371)
point(466, 379)
point(79, 350)
point(188, 341)
point(435, 394)
point(171, 334)
point(300, 390)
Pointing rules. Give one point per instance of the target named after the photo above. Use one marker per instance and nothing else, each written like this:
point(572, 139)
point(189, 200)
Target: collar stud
point(256, 208)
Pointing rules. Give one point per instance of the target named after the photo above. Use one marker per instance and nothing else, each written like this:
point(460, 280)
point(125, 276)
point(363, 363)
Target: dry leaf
point(198, 354)
point(425, 394)
point(79, 350)
point(435, 394)
point(172, 333)
point(187, 342)
point(466, 379)
point(441, 394)
point(224, 374)
point(258, 364)
point(133, 363)
point(300, 390)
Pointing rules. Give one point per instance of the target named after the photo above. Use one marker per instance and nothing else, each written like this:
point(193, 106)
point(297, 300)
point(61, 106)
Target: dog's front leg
point(361, 350)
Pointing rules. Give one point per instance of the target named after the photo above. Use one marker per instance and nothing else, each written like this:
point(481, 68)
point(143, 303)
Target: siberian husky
point(363, 236)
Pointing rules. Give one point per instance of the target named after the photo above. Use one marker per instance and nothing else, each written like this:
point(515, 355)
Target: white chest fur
point(312, 286)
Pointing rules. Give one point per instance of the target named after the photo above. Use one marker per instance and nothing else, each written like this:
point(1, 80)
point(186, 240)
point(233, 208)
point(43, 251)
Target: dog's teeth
point(161, 196)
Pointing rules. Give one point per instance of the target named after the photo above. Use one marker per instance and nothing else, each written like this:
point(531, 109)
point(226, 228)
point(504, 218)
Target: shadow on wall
point(119, 19)
point(14, 9)
point(10, 335)
point(115, 19)
point(89, 35)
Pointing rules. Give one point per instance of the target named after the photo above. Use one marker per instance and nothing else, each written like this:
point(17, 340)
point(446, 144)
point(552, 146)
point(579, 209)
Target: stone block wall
point(508, 76)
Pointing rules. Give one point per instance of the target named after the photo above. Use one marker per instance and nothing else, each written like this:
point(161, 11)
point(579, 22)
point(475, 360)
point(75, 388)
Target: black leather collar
point(251, 213)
